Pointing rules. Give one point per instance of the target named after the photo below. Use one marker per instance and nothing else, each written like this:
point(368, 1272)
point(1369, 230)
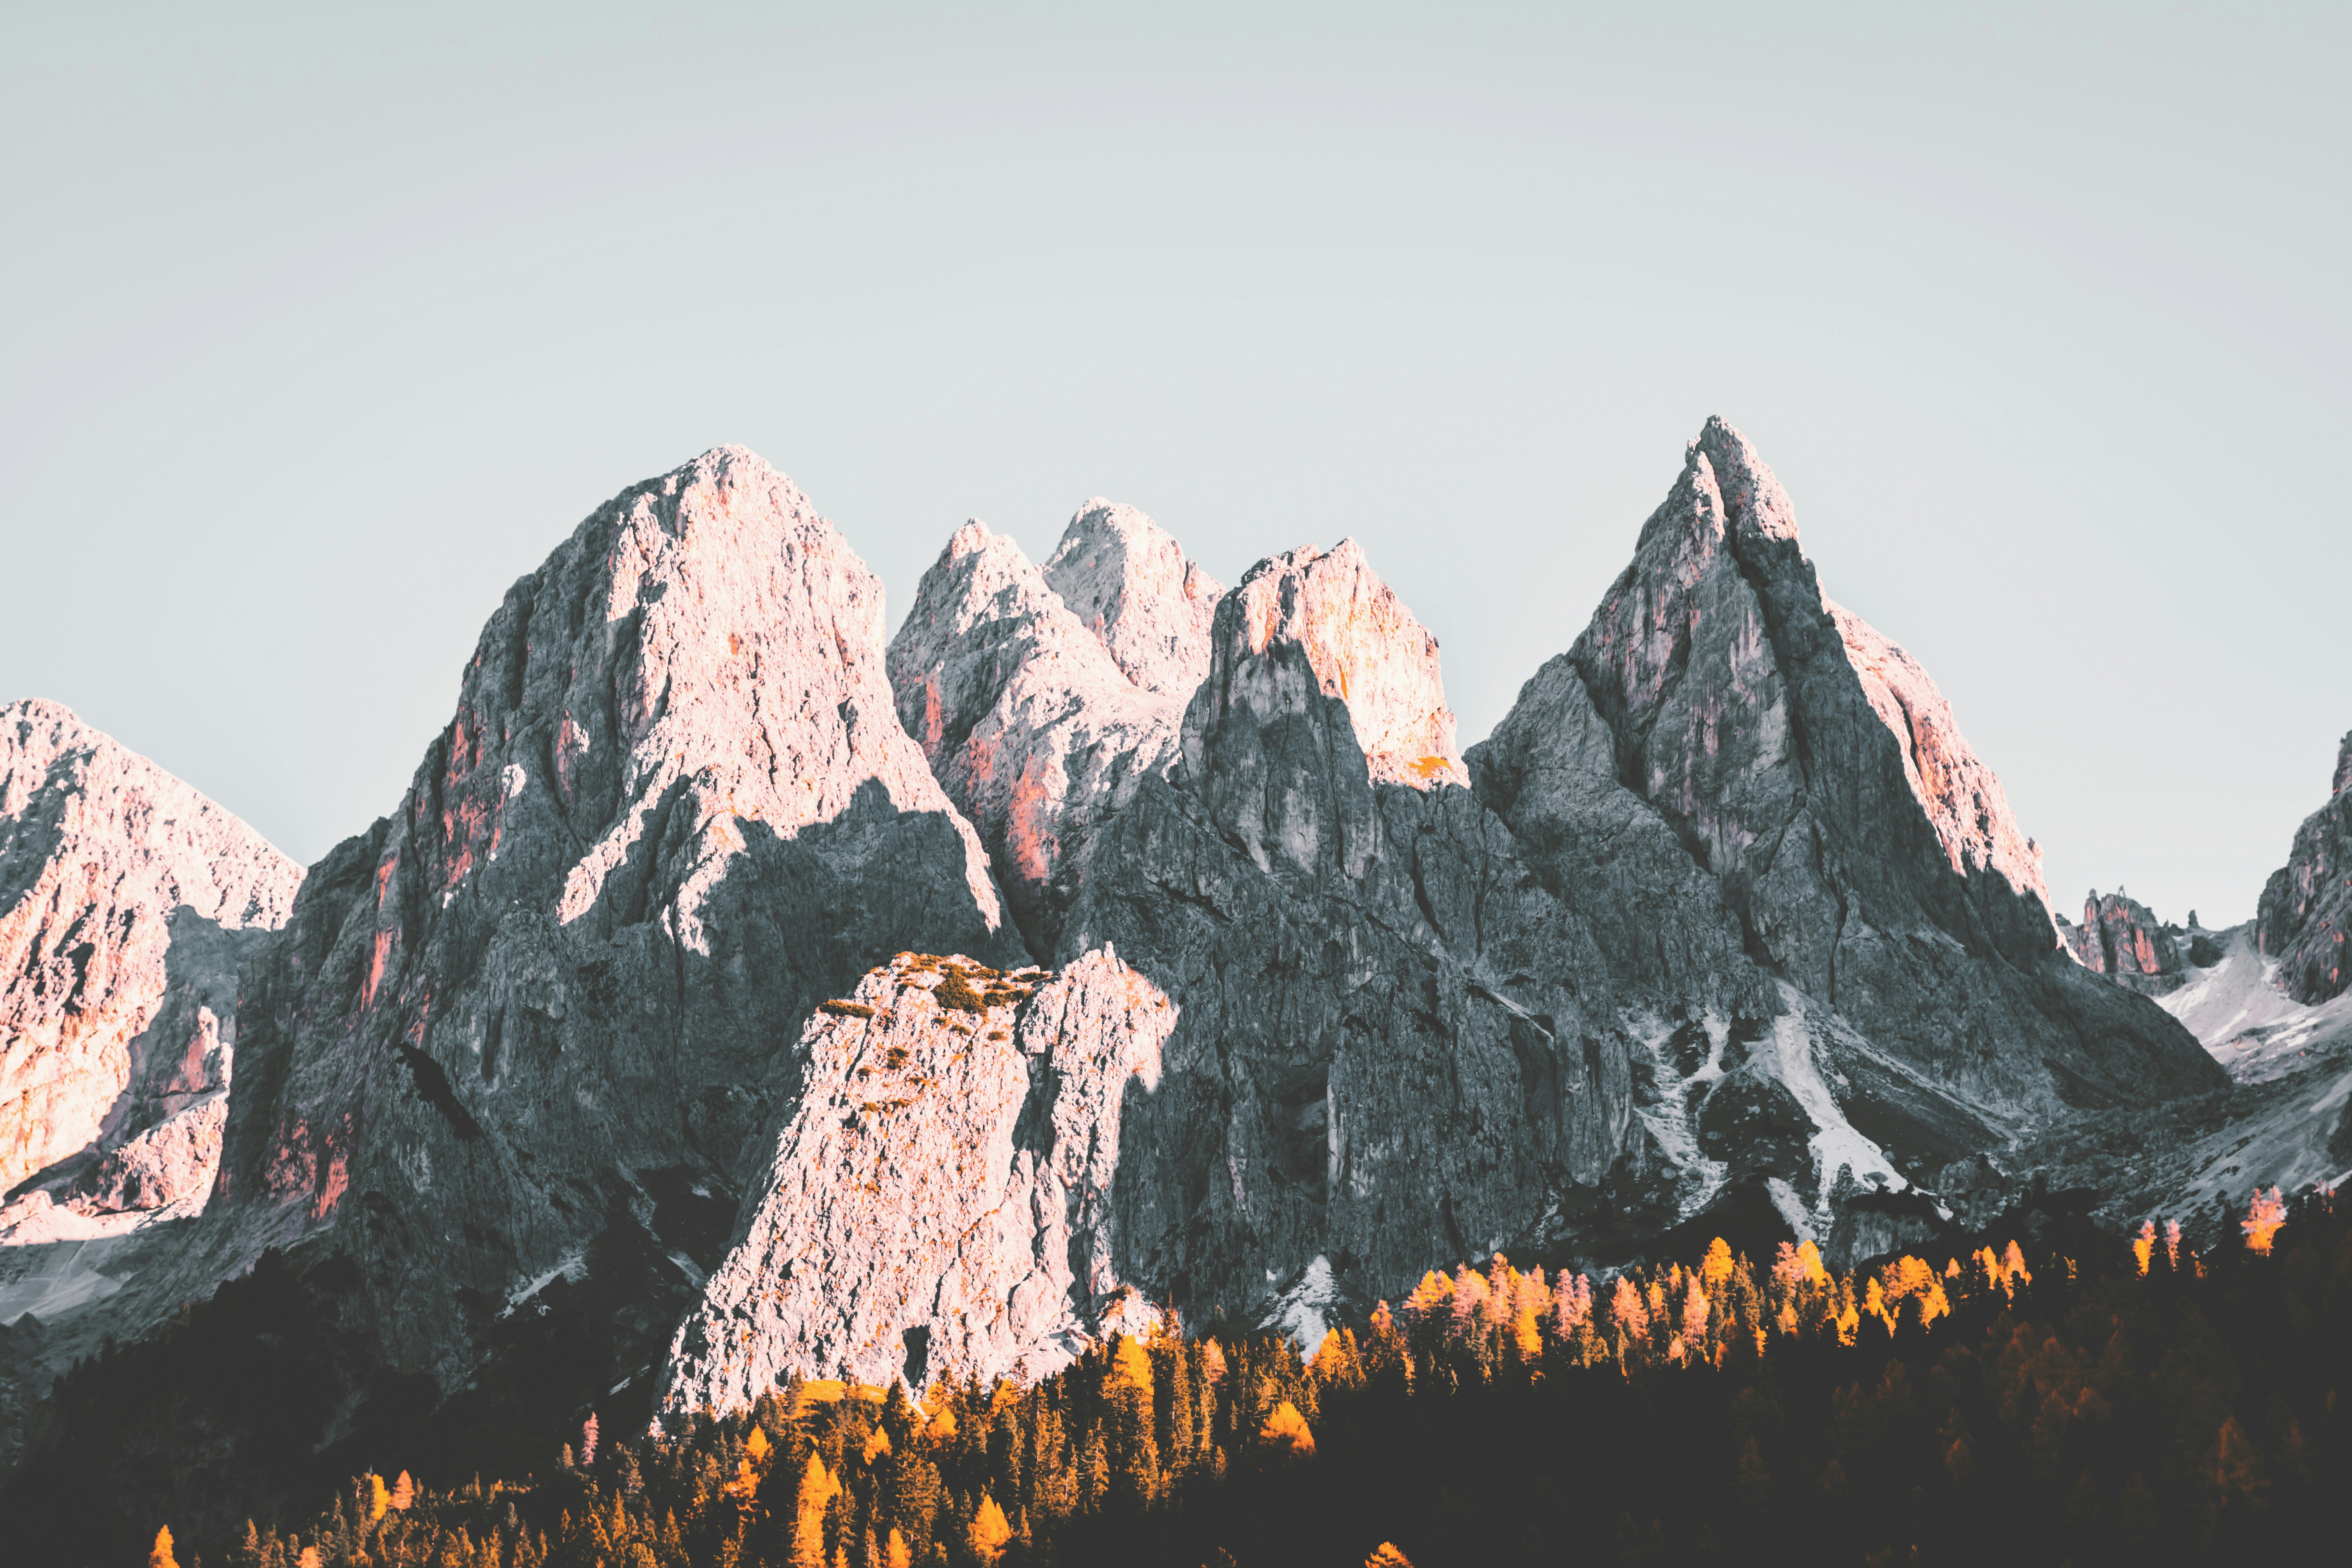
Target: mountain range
point(734, 992)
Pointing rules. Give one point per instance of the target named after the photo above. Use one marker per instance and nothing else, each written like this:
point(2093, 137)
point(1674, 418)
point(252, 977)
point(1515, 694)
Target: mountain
point(2306, 906)
point(2122, 939)
point(729, 995)
point(1035, 723)
point(126, 901)
point(1810, 769)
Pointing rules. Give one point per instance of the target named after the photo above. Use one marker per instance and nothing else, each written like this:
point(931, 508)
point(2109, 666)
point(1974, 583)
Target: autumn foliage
point(2115, 1401)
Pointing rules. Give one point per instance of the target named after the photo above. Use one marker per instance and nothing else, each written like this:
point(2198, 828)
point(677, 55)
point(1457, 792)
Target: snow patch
point(574, 1268)
point(1300, 1311)
point(1835, 1142)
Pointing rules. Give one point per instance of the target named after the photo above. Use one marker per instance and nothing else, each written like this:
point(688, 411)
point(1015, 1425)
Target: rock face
point(1030, 725)
point(2306, 906)
point(1391, 1046)
point(126, 901)
point(1810, 770)
point(1362, 645)
point(537, 1025)
point(2121, 938)
point(1128, 581)
point(939, 1205)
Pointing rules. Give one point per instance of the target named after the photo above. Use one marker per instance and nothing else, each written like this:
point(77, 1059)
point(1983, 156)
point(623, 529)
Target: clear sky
point(325, 324)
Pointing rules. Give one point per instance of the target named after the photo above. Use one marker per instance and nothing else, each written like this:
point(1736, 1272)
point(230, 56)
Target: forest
point(2113, 1402)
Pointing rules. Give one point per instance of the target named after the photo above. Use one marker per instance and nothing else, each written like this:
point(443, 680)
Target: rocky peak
point(1812, 770)
point(1128, 582)
point(127, 901)
point(1029, 725)
point(2121, 938)
point(2306, 905)
point(1361, 645)
point(538, 1024)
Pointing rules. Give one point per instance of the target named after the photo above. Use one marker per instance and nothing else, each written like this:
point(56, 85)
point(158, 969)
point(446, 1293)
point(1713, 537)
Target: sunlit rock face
point(1810, 770)
point(537, 1025)
point(1128, 582)
point(2306, 906)
point(1362, 646)
point(939, 1203)
point(2122, 939)
point(1031, 725)
point(126, 901)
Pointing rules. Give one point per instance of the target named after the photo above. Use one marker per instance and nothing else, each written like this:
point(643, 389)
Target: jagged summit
point(127, 899)
point(1129, 583)
point(1032, 728)
point(1813, 771)
point(532, 1031)
point(1363, 647)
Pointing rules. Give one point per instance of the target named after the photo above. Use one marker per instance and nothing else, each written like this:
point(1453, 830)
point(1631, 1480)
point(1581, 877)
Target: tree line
point(2115, 1401)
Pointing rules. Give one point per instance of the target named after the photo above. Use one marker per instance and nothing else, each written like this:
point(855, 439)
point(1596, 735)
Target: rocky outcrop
point(2122, 939)
point(1033, 729)
point(1362, 645)
point(2306, 906)
point(126, 901)
point(1812, 771)
point(1128, 582)
point(939, 1205)
point(532, 1032)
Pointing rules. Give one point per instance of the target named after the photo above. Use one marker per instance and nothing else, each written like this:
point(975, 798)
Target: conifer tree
point(817, 1489)
point(991, 1532)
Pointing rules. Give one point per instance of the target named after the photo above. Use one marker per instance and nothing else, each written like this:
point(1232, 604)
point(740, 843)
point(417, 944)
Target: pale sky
point(325, 324)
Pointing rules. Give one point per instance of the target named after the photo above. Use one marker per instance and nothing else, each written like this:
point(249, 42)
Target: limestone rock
point(948, 1166)
point(2306, 906)
point(1128, 582)
point(1393, 1048)
point(126, 901)
point(2122, 939)
point(1810, 769)
point(1361, 645)
point(536, 1026)
point(1034, 731)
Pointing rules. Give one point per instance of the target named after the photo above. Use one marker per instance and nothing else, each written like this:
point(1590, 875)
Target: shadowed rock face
point(1032, 727)
point(1810, 770)
point(1391, 1046)
point(2306, 906)
point(2122, 939)
point(538, 1023)
point(126, 901)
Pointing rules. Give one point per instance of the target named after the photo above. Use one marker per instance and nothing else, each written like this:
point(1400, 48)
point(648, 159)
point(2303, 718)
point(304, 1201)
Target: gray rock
point(1810, 769)
point(1034, 731)
point(2122, 939)
point(2306, 906)
point(938, 1204)
point(1129, 584)
point(539, 1023)
point(127, 902)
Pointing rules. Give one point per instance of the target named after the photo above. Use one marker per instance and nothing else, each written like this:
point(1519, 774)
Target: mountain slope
point(1813, 772)
point(126, 901)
